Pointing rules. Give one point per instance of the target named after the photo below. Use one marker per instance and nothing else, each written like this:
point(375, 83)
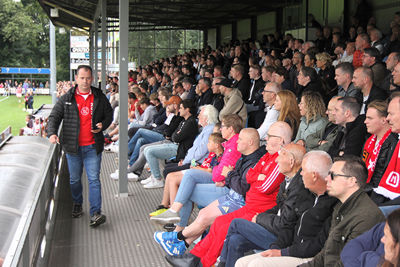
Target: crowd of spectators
point(286, 146)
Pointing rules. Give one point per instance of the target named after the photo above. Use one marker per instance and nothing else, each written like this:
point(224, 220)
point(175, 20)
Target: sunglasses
point(333, 175)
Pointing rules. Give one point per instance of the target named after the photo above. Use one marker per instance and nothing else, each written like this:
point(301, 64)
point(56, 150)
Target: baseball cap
point(174, 100)
point(226, 83)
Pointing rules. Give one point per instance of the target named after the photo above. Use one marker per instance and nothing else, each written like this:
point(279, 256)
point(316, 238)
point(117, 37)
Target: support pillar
point(91, 49)
point(96, 53)
point(103, 44)
point(123, 93)
point(53, 64)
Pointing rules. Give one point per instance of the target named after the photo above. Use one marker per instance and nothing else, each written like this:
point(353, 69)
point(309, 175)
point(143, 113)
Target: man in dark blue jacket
point(85, 112)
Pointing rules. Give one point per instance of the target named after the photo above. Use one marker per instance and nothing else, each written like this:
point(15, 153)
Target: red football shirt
point(85, 108)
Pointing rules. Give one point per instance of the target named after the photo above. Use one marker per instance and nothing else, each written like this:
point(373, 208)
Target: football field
point(12, 112)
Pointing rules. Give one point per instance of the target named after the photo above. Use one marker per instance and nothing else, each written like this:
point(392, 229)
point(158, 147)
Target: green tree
point(24, 38)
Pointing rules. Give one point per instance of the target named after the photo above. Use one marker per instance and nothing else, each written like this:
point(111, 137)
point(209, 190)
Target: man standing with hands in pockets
point(85, 112)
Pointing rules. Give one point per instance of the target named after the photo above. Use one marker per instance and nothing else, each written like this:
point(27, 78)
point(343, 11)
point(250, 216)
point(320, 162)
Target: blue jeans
point(88, 157)
point(196, 186)
point(156, 152)
point(244, 236)
point(142, 137)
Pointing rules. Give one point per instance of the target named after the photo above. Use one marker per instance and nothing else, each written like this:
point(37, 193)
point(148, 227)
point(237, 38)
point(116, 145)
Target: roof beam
point(68, 11)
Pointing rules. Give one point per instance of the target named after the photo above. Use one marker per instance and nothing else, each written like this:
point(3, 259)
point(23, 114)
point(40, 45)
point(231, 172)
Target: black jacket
point(286, 204)
point(66, 110)
point(168, 130)
point(160, 117)
point(218, 101)
point(184, 135)
point(350, 140)
point(376, 93)
point(316, 86)
point(256, 95)
point(244, 87)
point(236, 179)
point(313, 213)
point(205, 98)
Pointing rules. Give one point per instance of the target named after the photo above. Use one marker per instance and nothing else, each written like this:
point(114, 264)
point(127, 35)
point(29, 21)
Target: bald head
point(248, 141)
point(331, 107)
point(285, 131)
point(315, 167)
point(290, 158)
point(318, 161)
point(297, 151)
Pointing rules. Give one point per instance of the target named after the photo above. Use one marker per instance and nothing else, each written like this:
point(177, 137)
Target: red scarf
point(371, 152)
point(389, 184)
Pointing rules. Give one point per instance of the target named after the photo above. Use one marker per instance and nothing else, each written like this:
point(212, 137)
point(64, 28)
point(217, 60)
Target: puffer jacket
point(66, 110)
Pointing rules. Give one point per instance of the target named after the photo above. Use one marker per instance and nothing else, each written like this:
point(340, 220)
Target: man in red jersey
point(85, 112)
point(264, 180)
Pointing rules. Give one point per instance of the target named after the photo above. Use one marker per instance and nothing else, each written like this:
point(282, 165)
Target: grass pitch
point(12, 112)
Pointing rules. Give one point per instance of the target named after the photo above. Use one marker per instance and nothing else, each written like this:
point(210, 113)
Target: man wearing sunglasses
point(287, 242)
point(353, 215)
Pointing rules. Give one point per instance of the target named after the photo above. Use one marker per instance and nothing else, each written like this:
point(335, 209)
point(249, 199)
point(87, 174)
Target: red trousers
point(210, 247)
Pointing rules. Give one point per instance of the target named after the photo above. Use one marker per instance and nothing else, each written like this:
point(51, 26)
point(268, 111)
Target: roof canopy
point(150, 14)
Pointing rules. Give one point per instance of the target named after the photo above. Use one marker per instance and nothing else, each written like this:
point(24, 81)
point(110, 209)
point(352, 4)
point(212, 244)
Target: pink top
point(229, 158)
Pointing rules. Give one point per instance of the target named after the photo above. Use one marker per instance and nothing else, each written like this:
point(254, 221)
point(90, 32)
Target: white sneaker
point(115, 175)
point(155, 183)
point(114, 148)
point(133, 177)
point(146, 181)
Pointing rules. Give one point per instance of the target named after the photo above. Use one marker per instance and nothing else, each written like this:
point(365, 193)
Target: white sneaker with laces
point(155, 183)
point(146, 181)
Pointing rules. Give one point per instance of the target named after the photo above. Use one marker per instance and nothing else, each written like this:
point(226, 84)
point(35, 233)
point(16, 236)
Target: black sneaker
point(97, 219)
point(76, 210)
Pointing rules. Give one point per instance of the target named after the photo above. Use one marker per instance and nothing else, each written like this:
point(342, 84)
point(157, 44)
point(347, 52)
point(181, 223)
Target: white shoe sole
point(147, 186)
point(164, 221)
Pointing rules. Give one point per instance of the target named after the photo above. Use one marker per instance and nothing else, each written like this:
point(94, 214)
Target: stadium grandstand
point(270, 140)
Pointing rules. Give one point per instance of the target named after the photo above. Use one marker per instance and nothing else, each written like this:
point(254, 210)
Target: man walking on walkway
point(86, 112)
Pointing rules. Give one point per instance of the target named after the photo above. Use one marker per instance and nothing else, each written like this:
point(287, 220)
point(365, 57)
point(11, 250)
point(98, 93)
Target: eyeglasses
point(333, 175)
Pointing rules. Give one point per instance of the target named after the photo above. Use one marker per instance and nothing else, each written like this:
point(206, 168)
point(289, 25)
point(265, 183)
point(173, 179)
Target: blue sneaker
point(166, 236)
point(174, 248)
